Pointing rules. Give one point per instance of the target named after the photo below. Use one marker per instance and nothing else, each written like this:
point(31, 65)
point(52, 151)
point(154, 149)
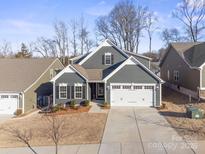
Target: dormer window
point(108, 58)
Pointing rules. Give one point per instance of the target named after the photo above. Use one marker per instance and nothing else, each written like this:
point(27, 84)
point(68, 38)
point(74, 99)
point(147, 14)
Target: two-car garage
point(8, 103)
point(132, 94)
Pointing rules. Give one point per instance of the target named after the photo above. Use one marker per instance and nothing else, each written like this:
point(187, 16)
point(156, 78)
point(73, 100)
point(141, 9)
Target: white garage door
point(8, 103)
point(132, 95)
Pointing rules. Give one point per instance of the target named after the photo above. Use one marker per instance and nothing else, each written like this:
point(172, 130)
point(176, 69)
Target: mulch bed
point(68, 110)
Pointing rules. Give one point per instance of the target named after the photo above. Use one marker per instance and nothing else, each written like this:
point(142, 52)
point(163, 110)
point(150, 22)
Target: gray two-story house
point(183, 68)
point(109, 74)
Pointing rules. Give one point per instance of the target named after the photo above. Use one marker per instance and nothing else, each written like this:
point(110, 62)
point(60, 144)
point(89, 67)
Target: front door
point(100, 90)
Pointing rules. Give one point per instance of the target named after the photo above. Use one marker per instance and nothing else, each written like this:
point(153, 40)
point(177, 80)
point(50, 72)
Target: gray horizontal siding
point(203, 77)
point(188, 78)
point(95, 62)
point(133, 74)
point(70, 79)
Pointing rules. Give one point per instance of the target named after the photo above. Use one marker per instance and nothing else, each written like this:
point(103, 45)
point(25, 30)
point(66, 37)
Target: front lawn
point(80, 128)
point(175, 113)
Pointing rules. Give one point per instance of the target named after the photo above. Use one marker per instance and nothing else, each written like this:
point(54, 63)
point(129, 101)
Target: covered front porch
point(97, 91)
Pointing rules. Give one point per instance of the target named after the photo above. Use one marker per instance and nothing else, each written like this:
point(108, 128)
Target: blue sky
point(25, 20)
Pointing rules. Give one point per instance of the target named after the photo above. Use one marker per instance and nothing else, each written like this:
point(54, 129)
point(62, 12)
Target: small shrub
point(106, 105)
point(18, 112)
point(58, 108)
point(73, 104)
point(86, 103)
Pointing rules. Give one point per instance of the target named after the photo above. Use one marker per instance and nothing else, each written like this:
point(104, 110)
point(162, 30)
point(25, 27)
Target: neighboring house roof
point(18, 74)
point(191, 52)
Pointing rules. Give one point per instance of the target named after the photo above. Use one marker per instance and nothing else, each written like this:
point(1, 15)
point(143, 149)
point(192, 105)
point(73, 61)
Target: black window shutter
point(68, 92)
point(57, 92)
point(84, 92)
point(103, 59)
point(112, 59)
point(72, 92)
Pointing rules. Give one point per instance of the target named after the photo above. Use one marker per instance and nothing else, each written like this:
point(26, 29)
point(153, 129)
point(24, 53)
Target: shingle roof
point(91, 74)
point(18, 74)
point(192, 52)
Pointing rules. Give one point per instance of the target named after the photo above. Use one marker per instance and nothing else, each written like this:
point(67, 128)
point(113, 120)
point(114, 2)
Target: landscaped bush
point(86, 103)
point(18, 112)
point(106, 105)
point(73, 104)
point(58, 108)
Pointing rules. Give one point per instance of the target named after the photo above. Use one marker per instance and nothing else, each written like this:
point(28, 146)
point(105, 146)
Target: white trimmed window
point(108, 58)
point(176, 75)
point(78, 91)
point(63, 91)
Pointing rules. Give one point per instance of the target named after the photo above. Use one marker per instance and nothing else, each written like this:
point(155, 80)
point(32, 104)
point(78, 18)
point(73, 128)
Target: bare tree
point(171, 35)
point(5, 49)
point(45, 47)
point(21, 135)
point(73, 25)
point(83, 34)
point(123, 25)
point(54, 129)
point(192, 14)
point(24, 52)
point(151, 27)
point(141, 20)
point(61, 38)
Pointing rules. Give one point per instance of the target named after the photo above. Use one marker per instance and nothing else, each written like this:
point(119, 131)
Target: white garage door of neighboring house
point(132, 95)
point(8, 103)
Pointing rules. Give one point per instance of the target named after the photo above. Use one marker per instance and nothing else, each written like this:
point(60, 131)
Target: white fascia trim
point(67, 69)
point(128, 61)
point(135, 61)
point(154, 75)
point(104, 43)
point(202, 65)
point(43, 74)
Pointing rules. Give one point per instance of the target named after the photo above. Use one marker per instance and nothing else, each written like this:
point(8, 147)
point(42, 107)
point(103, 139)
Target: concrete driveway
point(140, 130)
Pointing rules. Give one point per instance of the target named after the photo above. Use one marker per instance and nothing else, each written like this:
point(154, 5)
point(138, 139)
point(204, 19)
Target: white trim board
point(132, 61)
point(67, 69)
point(107, 42)
point(43, 74)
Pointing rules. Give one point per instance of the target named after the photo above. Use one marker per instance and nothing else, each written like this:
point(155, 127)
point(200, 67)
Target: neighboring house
point(183, 68)
point(109, 74)
point(24, 83)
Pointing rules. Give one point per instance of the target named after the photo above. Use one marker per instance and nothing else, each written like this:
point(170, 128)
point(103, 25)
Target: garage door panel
point(136, 95)
point(8, 104)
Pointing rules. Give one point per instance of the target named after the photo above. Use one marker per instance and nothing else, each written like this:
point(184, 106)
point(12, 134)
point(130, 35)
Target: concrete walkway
point(129, 131)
